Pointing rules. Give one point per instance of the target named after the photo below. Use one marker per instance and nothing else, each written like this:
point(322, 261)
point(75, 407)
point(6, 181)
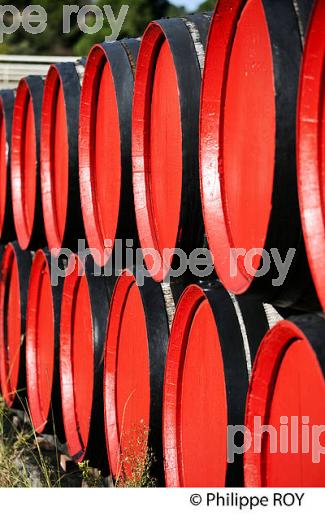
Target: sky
point(189, 4)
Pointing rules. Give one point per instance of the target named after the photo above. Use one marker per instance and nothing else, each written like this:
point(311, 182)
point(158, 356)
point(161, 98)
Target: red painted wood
point(164, 193)
point(249, 133)
point(203, 396)
point(237, 148)
point(99, 151)
point(76, 359)
point(40, 342)
point(311, 147)
point(10, 325)
point(23, 164)
point(126, 378)
point(54, 159)
point(157, 148)
point(3, 166)
point(287, 381)
point(195, 403)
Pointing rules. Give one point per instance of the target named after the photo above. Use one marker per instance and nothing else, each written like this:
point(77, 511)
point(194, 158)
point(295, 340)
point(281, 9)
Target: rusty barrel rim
point(205, 310)
point(291, 355)
point(143, 308)
point(42, 346)
point(107, 92)
point(25, 162)
point(7, 229)
point(310, 134)
point(59, 155)
point(15, 270)
point(280, 202)
point(165, 47)
point(84, 313)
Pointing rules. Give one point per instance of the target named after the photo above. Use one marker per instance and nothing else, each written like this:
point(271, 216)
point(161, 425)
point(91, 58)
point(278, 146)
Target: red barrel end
point(25, 162)
point(195, 403)
point(15, 269)
point(105, 171)
point(54, 159)
point(165, 140)
point(286, 394)
point(247, 148)
point(135, 353)
point(311, 147)
point(126, 394)
point(76, 359)
point(40, 342)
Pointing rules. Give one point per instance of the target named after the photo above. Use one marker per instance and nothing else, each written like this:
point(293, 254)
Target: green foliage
point(136, 459)
point(92, 478)
point(54, 42)
point(208, 5)
point(22, 463)
point(173, 11)
point(140, 14)
point(29, 460)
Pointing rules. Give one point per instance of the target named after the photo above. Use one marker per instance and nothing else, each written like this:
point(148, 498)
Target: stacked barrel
point(208, 132)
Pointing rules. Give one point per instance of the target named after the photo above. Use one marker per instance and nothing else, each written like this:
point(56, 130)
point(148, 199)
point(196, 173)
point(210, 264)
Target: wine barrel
point(165, 131)
point(310, 141)
point(15, 271)
point(287, 391)
point(7, 228)
point(248, 147)
point(105, 145)
point(84, 314)
point(2, 248)
point(208, 365)
point(42, 347)
point(59, 156)
point(25, 163)
point(135, 353)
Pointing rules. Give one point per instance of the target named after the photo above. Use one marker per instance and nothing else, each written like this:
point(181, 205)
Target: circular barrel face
point(157, 151)
point(3, 165)
point(40, 342)
point(54, 158)
point(76, 359)
point(10, 325)
point(127, 381)
point(100, 152)
point(195, 414)
point(238, 139)
point(249, 130)
point(165, 150)
point(24, 164)
point(311, 147)
point(287, 397)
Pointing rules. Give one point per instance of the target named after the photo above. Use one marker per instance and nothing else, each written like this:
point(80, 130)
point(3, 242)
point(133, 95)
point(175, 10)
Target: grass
point(91, 478)
point(25, 459)
point(21, 461)
point(136, 460)
point(28, 460)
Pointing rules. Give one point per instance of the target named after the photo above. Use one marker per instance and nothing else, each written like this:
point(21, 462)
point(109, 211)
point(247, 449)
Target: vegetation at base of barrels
point(31, 460)
point(91, 478)
point(136, 459)
point(22, 463)
point(11, 475)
